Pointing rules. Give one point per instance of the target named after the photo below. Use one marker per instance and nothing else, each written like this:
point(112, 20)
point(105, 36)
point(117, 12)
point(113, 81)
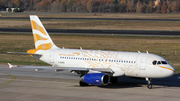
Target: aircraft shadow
point(173, 81)
point(127, 82)
point(121, 85)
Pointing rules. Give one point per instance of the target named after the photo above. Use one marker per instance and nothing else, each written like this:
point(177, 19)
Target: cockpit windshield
point(163, 62)
point(159, 62)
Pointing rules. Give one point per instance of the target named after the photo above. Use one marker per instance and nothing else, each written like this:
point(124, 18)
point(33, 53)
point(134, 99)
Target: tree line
point(99, 6)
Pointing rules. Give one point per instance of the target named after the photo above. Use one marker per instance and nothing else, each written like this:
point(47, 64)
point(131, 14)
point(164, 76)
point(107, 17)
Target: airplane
point(96, 67)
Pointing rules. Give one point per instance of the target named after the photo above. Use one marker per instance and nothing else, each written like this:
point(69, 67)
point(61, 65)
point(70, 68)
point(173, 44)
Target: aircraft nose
point(171, 70)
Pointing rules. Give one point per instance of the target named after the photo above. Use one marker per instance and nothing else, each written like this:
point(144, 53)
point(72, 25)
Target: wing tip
point(10, 66)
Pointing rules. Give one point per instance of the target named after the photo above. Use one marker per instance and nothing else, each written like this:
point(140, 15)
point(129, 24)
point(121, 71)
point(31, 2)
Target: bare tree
point(63, 6)
point(175, 6)
point(164, 7)
point(131, 5)
point(149, 8)
point(169, 5)
point(123, 6)
point(158, 8)
point(138, 7)
point(54, 6)
point(89, 6)
point(70, 6)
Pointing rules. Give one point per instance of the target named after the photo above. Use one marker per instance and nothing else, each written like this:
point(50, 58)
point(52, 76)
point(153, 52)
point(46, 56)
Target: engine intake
point(96, 78)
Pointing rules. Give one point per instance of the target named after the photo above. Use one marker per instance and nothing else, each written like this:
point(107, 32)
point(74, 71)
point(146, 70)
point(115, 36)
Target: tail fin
point(42, 40)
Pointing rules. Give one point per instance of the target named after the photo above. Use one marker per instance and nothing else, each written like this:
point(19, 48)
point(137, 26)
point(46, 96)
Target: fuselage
point(121, 63)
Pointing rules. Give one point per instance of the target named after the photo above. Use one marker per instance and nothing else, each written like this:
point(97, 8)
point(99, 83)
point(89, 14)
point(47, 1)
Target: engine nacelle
point(96, 78)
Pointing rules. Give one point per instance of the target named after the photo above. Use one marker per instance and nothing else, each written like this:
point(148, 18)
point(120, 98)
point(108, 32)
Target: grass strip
point(97, 25)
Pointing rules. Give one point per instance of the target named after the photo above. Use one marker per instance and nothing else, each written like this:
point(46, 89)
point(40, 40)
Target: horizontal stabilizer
point(23, 53)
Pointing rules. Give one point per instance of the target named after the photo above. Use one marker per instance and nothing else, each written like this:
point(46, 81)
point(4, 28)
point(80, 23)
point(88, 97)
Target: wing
point(77, 70)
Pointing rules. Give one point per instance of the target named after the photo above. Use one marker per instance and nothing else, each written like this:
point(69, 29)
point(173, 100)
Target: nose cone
point(170, 71)
point(166, 71)
point(173, 69)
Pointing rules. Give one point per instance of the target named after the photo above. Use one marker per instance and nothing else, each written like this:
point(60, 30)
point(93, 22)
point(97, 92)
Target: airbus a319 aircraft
point(95, 66)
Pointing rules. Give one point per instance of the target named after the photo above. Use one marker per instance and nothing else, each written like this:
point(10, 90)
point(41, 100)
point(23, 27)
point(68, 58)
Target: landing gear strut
point(149, 85)
point(83, 83)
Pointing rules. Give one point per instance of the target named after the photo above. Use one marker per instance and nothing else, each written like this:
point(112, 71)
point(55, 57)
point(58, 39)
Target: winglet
point(10, 66)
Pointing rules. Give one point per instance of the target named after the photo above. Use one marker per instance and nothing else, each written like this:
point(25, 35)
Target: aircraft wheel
point(83, 83)
point(149, 86)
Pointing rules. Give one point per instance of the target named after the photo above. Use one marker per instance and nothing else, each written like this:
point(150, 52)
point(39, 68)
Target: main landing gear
point(149, 85)
point(83, 83)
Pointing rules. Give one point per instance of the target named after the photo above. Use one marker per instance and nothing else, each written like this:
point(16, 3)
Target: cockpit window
point(154, 62)
point(159, 62)
point(163, 62)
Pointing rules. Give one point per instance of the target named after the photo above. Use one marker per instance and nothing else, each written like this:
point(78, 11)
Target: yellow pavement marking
point(9, 81)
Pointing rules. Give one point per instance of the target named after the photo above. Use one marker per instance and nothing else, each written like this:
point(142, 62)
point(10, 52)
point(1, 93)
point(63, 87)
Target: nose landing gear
point(149, 85)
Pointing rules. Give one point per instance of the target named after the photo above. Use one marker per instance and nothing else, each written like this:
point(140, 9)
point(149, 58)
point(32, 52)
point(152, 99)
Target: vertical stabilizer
point(42, 39)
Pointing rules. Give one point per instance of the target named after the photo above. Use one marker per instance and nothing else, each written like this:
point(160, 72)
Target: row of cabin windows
point(91, 59)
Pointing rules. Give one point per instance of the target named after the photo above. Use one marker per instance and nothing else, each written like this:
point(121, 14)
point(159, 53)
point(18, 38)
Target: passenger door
point(143, 63)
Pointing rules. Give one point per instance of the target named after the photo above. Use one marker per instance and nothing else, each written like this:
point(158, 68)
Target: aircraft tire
point(149, 86)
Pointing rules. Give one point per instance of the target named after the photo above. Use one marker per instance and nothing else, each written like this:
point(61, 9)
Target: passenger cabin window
point(154, 62)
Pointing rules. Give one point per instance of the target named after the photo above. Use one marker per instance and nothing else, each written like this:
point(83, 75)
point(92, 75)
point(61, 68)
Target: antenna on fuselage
point(139, 52)
point(80, 48)
point(147, 52)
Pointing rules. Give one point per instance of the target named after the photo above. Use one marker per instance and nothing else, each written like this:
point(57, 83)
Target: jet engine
point(95, 79)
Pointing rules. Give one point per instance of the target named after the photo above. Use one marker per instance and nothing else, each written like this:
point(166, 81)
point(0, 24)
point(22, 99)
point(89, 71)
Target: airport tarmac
point(27, 85)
